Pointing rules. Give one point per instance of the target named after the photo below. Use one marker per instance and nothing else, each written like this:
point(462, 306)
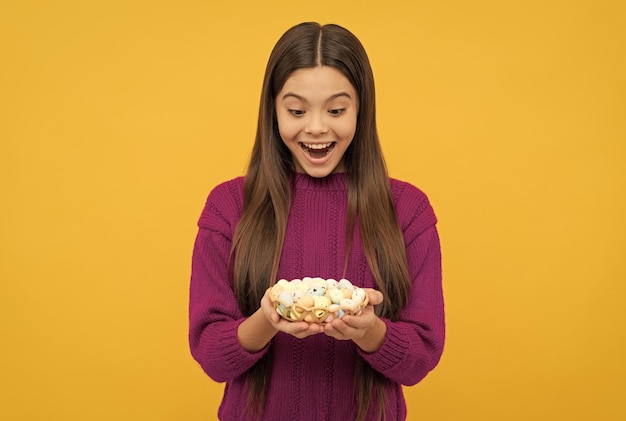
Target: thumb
point(375, 297)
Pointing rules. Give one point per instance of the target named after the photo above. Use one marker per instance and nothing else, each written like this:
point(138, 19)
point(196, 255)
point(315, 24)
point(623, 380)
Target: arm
point(413, 345)
point(406, 350)
point(214, 316)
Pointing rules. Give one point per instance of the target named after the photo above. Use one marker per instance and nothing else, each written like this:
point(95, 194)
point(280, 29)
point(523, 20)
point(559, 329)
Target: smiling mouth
point(317, 150)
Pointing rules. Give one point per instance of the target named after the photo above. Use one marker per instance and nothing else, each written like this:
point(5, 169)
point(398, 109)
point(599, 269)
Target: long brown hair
point(259, 236)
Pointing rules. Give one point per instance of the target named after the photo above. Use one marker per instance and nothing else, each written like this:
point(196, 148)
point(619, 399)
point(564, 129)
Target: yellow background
point(118, 117)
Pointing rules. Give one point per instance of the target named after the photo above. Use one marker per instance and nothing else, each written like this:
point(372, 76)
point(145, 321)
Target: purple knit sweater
point(312, 377)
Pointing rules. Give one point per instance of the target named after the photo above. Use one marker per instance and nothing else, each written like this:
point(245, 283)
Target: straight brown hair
point(258, 240)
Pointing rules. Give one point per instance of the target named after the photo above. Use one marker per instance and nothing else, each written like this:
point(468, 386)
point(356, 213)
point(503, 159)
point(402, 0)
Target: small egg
point(281, 309)
point(282, 282)
point(302, 287)
point(335, 295)
point(295, 314)
point(274, 291)
point(306, 301)
point(331, 283)
point(320, 286)
point(286, 298)
point(347, 304)
point(344, 283)
point(295, 282)
point(358, 295)
point(321, 301)
point(347, 293)
point(297, 295)
point(315, 291)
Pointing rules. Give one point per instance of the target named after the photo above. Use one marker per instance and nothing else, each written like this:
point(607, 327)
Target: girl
point(316, 201)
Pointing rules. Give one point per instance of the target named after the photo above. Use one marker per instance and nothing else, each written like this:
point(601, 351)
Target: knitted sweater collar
point(336, 181)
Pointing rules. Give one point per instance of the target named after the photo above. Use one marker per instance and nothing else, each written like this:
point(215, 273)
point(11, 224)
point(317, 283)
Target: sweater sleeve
point(214, 315)
point(414, 343)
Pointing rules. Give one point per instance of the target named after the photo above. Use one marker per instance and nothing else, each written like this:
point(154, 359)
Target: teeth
point(317, 145)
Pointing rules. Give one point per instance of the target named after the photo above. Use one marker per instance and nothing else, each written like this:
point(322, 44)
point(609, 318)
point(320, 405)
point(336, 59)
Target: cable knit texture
point(312, 377)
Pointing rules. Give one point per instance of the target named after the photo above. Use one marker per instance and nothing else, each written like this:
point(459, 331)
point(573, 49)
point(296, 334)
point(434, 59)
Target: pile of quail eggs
point(317, 300)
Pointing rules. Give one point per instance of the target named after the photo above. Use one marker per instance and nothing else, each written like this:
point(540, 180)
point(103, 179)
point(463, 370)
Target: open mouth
point(317, 150)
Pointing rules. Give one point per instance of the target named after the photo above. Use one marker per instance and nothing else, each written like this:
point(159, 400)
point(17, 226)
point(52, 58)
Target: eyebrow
point(301, 98)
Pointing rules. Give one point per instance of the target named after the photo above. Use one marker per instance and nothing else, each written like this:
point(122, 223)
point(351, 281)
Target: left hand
point(358, 328)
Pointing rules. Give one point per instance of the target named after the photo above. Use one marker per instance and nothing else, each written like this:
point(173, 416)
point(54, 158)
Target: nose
point(316, 124)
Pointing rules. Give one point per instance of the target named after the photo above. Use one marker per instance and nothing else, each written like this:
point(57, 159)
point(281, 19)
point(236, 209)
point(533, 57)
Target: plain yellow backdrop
point(118, 117)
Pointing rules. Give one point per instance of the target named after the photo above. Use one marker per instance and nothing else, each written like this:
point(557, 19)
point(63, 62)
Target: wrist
point(255, 332)
point(374, 337)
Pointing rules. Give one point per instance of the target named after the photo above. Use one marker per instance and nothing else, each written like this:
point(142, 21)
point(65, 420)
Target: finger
point(349, 327)
point(299, 329)
point(275, 317)
point(293, 327)
point(315, 328)
point(330, 330)
point(375, 297)
point(312, 330)
point(343, 328)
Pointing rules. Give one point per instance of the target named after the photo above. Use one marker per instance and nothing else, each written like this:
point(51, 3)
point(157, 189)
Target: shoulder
point(224, 203)
point(412, 206)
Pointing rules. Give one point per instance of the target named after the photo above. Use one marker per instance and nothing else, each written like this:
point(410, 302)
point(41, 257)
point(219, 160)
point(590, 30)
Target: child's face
point(316, 112)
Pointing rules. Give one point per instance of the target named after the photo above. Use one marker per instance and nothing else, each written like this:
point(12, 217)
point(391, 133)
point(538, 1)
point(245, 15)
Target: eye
point(297, 113)
point(336, 111)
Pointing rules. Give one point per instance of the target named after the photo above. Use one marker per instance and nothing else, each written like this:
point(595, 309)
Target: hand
point(298, 329)
point(367, 330)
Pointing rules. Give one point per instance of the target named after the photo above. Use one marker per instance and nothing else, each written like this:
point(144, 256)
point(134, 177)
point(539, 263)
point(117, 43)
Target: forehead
point(320, 79)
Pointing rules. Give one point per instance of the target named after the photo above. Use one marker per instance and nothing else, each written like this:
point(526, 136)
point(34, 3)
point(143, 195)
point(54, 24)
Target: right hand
point(298, 329)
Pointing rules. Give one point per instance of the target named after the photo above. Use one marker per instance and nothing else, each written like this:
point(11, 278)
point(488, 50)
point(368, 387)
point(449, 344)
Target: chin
point(317, 173)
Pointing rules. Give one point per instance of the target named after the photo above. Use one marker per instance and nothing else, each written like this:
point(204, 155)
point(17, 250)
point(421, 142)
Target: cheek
point(346, 129)
point(287, 129)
